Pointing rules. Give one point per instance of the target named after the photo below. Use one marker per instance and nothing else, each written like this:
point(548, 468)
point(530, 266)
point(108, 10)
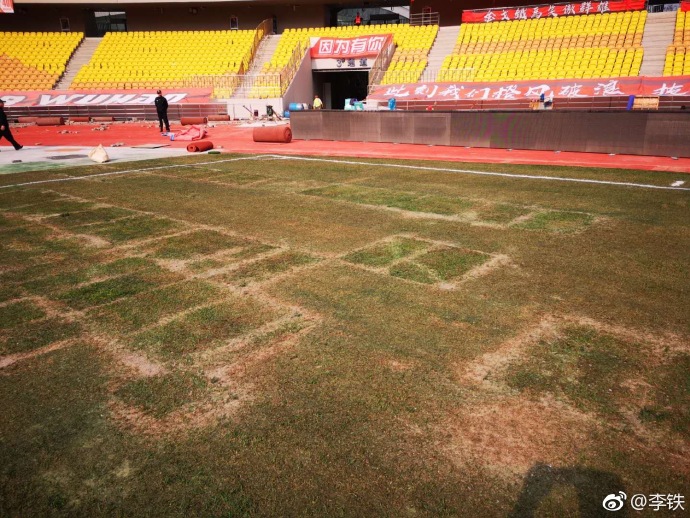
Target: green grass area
point(10, 199)
point(258, 337)
point(109, 290)
point(203, 328)
point(557, 221)
point(133, 313)
point(412, 272)
point(583, 366)
point(238, 178)
point(87, 217)
point(385, 253)
point(53, 207)
point(265, 268)
point(450, 263)
point(160, 395)
point(501, 213)
point(400, 200)
point(35, 335)
point(132, 228)
point(200, 242)
point(18, 313)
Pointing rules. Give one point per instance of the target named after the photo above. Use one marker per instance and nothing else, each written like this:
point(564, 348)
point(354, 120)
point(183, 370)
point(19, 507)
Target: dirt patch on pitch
point(514, 433)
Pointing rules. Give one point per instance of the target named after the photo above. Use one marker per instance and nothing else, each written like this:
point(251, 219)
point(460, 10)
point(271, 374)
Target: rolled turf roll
point(189, 121)
point(201, 145)
point(218, 118)
point(281, 133)
point(49, 121)
point(103, 119)
point(26, 120)
point(80, 119)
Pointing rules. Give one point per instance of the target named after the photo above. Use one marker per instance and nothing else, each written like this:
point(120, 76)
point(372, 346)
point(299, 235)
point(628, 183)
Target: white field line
point(128, 171)
point(489, 173)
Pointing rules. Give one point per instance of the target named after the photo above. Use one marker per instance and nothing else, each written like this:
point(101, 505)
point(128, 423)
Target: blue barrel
point(294, 107)
point(286, 114)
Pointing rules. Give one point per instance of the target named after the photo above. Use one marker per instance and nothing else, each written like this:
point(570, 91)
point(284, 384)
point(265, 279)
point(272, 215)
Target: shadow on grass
point(591, 486)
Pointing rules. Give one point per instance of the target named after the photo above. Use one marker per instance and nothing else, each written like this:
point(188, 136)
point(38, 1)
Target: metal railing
point(425, 19)
point(455, 75)
point(394, 77)
point(290, 70)
point(224, 85)
point(380, 65)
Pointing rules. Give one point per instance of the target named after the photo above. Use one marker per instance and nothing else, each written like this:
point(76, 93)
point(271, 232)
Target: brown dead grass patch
point(513, 433)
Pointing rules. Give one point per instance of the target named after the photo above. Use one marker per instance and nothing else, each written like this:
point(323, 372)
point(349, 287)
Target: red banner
point(550, 11)
point(104, 97)
point(360, 47)
point(558, 88)
point(7, 6)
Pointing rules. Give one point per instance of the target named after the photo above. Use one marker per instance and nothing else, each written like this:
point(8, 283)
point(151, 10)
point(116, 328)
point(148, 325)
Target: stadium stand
point(677, 61)
point(35, 60)
point(412, 47)
point(582, 46)
point(166, 59)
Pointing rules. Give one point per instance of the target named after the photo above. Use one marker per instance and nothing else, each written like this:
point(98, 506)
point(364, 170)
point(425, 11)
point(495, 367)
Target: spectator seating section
point(581, 46)
point(166, 59)
point(35, 60)
point(412, 48)
point(677, 62)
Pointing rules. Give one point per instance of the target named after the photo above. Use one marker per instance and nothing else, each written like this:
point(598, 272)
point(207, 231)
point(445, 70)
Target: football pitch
point(290, 336)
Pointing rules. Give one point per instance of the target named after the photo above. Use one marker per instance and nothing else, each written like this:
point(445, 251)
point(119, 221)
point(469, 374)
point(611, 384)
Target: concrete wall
point(634, 133)
point(165, 16)
point(302, 88)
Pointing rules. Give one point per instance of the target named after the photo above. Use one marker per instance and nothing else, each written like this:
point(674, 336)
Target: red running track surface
point(231, 138)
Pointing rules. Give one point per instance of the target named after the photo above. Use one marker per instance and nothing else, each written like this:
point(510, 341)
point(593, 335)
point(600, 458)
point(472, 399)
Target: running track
point(238, 139)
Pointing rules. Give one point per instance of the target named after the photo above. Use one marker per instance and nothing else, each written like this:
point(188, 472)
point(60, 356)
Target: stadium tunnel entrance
point(335, 86)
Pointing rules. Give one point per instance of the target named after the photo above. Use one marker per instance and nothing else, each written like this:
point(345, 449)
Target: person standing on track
point(5, 127)
point(162, 111)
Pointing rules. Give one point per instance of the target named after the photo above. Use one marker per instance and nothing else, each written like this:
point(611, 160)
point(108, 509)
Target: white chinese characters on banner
point(344, 48)
point(563, 88)
point(550, 10)
point(7, 6)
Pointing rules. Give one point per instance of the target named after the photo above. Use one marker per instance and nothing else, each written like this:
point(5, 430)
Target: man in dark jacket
point(162, 110)
point(5, 127)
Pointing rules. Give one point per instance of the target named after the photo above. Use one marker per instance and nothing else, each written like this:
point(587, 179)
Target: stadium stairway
point(80, 58)
point(263, 55)
point(443, 46)
point(658, 35)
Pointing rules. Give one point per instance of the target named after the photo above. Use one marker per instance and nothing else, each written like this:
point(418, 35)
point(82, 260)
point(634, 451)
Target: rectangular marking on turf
point(677, 183)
